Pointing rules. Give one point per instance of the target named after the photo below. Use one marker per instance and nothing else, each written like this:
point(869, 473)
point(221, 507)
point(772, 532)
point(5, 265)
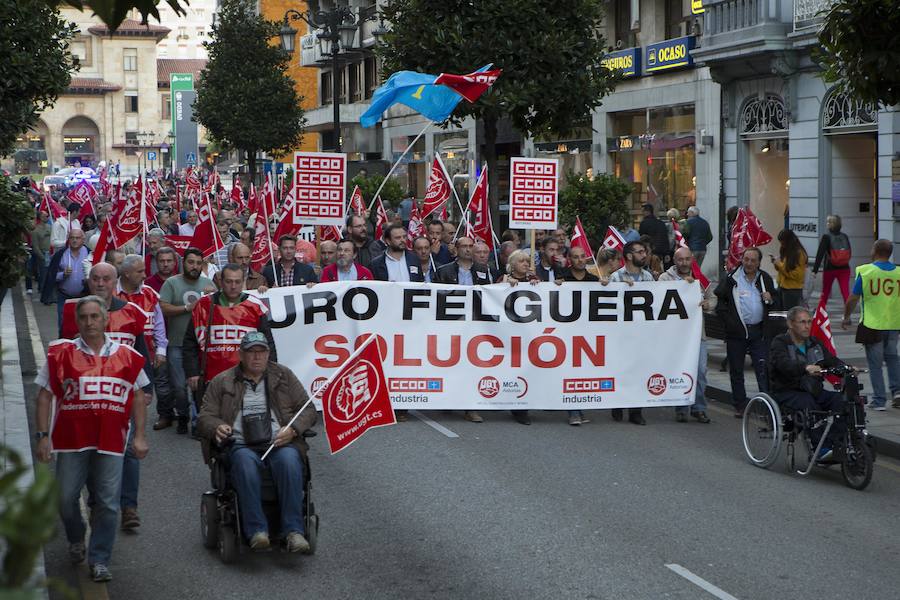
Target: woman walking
point(791, 268)
point(834, 256)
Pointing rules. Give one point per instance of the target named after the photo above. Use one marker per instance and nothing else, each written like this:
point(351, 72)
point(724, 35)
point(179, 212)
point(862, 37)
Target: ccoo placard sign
point(533, 193)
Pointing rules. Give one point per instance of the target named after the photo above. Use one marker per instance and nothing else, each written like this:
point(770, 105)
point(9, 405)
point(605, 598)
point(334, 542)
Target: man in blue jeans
point(245, 409)
point(878, 286)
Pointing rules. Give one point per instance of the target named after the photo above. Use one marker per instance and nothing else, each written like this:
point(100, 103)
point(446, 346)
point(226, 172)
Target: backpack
point(839, 254)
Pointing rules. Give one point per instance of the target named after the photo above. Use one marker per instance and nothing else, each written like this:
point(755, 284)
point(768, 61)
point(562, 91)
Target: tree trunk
point(490, 156)
point(251, 166)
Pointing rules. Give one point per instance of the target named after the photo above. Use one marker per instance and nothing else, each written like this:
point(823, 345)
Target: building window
point(201, 32)
point(131, 138)
point(355, 83)
point(131, 104)
point(80, 48)
point(371, 76)
point(342, 73)
point(674, 19)
point(78, 144)
point(326, 87)
point(763, 116)
point(623, 23)
point(166, 108)
point(129, 58)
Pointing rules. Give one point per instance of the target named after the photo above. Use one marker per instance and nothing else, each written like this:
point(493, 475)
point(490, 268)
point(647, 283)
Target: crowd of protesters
point(167, 305)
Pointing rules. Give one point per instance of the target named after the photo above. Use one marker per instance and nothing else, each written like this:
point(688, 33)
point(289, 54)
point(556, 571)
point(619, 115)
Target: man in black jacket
point(397, 263)
point(464, 270)
point(796, 361)
point(658, 233)
point(744, 299)
point(288, 271)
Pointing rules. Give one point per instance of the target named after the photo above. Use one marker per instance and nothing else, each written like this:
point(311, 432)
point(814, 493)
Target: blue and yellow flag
point(415, 90)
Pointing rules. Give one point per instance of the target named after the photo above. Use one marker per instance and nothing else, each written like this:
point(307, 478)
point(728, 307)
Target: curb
point(883, 446)
point(13, 409)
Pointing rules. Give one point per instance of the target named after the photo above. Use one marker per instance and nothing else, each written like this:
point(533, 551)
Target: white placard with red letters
point(544, 346)
point(534, 193)
point(320, 188)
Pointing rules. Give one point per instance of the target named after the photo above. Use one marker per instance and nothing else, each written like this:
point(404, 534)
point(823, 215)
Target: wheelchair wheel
point(209, 520)
point(762, 430)
point(312, 533)
point(228, 544)
point(857, 464)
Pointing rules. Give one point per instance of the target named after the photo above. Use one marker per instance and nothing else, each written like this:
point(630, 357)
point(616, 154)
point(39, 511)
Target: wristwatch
point(41, 434)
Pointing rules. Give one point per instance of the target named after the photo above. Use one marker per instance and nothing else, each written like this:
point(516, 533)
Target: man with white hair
point(697, 233)
point(156, 239)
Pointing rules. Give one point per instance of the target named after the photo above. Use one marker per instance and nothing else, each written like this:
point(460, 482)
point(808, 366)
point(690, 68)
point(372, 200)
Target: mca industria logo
point(421, 385)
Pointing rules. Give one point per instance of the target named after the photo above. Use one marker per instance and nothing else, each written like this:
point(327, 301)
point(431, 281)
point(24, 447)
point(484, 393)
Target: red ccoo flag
point(478, 204)
point(615, 241)
point(579, 238)
point(83, 195)
point(438, 192)
point(821, 330)
point(356, 398)
point(381, 219)
point(206, 235)
point(416, 226)
point(356, 204)
point(237, 195)
point(330, 233)
point(746, 232)
point(179, 243)
point(470, 86)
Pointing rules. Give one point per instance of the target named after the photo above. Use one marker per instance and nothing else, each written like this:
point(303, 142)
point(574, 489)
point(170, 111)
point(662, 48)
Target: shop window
point(78, 144)
point(129, 59)
point(131, 104)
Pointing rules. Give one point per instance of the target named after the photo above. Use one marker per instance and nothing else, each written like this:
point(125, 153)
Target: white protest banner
point(533, 193)
point(319, 188)
point(500, 347)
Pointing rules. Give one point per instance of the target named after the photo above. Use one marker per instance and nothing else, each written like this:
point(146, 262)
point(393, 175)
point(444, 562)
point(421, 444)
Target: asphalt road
point(508, 511)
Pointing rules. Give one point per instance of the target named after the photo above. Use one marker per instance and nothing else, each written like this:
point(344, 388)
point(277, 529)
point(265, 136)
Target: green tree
point(549, 51)
point(113, 12)
point(18, 215)
point(391, 194)
point(860, 49)
point(34, 65)
point(245, 98)
point(599, 202)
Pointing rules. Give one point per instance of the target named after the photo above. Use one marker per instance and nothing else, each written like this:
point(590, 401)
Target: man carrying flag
point(746, 232)
point(252, 405)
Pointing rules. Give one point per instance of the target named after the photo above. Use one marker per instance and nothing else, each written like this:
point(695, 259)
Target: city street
point(497, 510)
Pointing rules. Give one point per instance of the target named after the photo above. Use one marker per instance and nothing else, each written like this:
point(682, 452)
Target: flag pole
point(396, 164)
point(437, 155)
point(324, 386)
point(268, 237)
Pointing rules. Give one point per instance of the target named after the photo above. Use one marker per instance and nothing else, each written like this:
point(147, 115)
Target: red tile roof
point(91, 85)
point(132, 28)
point(166, 66)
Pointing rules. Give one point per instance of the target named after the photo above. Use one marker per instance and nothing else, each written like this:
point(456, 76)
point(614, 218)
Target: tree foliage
point(34, 65)
point(599, 202)
point(245, 99)
point(549, 51)
point(391, 194)
point(113, 12)
point(18, 215)
point(861, 49)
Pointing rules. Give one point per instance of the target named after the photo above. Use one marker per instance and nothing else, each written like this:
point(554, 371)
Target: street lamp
point(338, 30)
point(145, 139)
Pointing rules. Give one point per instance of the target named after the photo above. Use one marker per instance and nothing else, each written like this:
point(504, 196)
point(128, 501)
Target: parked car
point(52, 182)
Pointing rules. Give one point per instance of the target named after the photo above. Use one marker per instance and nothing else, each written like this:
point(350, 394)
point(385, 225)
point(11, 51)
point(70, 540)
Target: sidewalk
point(884, 426)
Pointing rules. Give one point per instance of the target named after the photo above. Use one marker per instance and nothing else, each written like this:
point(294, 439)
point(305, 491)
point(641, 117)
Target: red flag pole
point(324, 386)
point(268, 238)
point(396, 164)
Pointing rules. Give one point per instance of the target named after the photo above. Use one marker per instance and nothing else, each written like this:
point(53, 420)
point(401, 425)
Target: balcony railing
point(810, 13)
point(734, 15)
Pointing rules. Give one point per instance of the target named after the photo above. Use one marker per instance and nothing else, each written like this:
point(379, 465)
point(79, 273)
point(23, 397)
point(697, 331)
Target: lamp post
point(145, 139)
point(338, 28)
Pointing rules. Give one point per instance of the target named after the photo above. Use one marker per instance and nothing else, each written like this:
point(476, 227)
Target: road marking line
point(433, 424)
point(700, 582)
point(37, 345)
point(882, 462)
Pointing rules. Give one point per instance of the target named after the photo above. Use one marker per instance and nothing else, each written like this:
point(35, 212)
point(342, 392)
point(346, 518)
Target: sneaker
point(100, 573)
point(296, 542)
point(896, 401)
point(472, 416)
point(584, 420)
point(182, 425)
point(76, 553)
point(681, 417)
point(130, 519)
point(825, 453)
point(575, 420)
point(29, 292)
point(260, 541)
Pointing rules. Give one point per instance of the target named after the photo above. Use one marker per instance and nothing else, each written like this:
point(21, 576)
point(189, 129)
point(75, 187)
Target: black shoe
point(681, 417)
point(521, 417)
point(636, 418)
point(617, 414)
point(162, 423)
point(700, 416)
point(182, 425)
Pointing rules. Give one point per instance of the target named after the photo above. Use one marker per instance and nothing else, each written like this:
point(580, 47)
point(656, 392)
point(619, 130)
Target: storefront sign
point(539, 346)
point(627, 62)
point(533, 193)
point(320, 188)
point(670, 54)
point(697, 7)
point(805, 227)
point(624, 143)
point(183, 124)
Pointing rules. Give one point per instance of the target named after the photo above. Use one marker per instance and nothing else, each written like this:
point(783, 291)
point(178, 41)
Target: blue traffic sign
point(191, 158)
point(151, 155)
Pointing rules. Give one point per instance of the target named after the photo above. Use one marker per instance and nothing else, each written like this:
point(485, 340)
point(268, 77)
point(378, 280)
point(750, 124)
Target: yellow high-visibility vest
point(881, 297)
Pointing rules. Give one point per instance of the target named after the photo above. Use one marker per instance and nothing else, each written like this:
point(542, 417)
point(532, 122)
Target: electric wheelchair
point(220, 523)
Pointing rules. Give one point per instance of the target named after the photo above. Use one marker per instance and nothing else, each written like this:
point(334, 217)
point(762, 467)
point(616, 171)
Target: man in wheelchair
point(796, 361)
point(245, 409)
